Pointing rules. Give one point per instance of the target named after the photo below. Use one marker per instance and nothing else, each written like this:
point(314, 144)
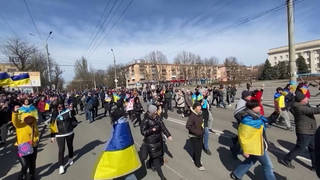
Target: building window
point(281, 57)
point(275, 58)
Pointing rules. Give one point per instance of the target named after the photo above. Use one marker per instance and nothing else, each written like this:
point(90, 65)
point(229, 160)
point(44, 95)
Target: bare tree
point(156, 57)
point(19, 53)
point(212, 61)
point(57, 79)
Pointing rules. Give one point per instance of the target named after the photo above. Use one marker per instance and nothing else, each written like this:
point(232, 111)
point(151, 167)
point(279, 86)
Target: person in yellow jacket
point(25, 123)
point(252, 141)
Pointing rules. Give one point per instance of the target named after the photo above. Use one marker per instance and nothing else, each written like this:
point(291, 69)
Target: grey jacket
point(304, 118)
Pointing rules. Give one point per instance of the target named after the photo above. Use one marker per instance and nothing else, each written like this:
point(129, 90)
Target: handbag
point(26, 148)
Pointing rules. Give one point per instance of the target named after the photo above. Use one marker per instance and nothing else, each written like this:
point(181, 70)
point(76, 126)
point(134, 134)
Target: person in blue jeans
point(205, 115)
point(253, 142)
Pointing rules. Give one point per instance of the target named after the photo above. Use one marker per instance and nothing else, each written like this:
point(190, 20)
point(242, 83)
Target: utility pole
point(48, 61)
point(292, 53)
point(115, 69)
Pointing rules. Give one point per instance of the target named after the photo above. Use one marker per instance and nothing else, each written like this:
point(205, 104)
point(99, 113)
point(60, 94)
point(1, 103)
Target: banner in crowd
point(20, 79)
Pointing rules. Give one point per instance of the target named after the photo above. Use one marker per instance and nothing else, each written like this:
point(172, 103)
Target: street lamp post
point(48, 61)
point(115, 69)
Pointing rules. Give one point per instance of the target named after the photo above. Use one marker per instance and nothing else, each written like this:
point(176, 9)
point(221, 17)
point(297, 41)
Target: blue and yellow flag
point(5, 79)
point(26, 111)
point(21, 79)
point(119, 156)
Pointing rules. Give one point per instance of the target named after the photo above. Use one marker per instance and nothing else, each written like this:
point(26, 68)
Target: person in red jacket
point(41, 109)
point(257, 95)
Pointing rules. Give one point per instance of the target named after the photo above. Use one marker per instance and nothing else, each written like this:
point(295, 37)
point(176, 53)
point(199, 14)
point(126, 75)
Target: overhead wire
point(101, 25)
point(115, 23)
point(245, 20)
point(32, 19)
point(106, 23)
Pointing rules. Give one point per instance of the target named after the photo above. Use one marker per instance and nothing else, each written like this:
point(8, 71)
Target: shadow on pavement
point(290, 146)
point(188, 148)
point(280, 155)
point(78, 154)
point(9, 157)
point(259, 174)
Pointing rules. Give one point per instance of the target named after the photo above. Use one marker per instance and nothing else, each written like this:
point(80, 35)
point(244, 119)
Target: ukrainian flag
point(21, 79)
point(119, 156)
point(116, 97)
point(26, 111)
point(5, 79)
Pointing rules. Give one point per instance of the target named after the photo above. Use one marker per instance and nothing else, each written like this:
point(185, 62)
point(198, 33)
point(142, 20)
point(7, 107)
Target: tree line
point(281, 70)
point(27, 57)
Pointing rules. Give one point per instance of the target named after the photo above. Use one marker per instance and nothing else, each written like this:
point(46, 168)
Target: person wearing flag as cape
point(119, 157)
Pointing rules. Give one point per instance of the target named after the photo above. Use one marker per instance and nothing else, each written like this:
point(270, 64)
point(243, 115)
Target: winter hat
point(300, 95)
point(152, 109)
point(196, 104)
point(245, 94)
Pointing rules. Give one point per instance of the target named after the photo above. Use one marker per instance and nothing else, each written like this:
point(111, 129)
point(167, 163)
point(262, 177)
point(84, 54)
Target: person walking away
point(41, 109)
point(280, 107)
point(233, 93)
point(195, 128)
point(95, 105)
point(306, 127)
point(152, 128)
point(138, 109)
point(252, 138)
point(220, 96)
point(89, 108)
point(107, 103)
point(102, 97)
point(197, 96)
point(25, 123)
point(180, 103)
point(205, 116)
point(228, 95)
point(61, 126)
point(188, 100)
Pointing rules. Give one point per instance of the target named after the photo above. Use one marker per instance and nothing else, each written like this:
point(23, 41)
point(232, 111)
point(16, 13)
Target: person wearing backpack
point(25, 123)
point(61, 126)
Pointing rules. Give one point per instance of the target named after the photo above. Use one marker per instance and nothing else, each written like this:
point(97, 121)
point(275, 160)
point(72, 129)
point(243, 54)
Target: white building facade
point(309, 50)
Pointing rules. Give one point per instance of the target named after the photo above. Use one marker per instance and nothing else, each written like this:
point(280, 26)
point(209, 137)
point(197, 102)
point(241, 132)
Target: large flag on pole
point(119, 156)
point(5, 79)
point(21, 79)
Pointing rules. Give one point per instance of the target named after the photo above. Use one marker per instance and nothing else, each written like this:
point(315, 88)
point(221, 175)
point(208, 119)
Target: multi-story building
point(140, 73)
point(309, 50)
point(8, 67)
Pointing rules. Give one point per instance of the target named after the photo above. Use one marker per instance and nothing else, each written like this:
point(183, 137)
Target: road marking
point(170, 168)
point(220, 133)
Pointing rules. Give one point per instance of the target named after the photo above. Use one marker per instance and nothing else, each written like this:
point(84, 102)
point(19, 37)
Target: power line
point(116, 23)
point(105, 24)
point(101, 23)
point(247, 19)
point(32, 19)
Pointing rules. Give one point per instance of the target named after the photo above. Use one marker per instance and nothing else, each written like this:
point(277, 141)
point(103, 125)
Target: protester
point(252, 139)
point(4, 119)
point(25, 123)
point(205, 115)
point(152, 128)
point(306, 127)
point(180, 103)
point(62, 124)
point(194, 126)
point(280, 107)
point(138, 109)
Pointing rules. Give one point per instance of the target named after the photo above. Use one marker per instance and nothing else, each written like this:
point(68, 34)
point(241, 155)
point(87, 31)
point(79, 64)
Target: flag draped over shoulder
point(119, 156)
point(26, 111)
point(5, 79)
point(21, 79)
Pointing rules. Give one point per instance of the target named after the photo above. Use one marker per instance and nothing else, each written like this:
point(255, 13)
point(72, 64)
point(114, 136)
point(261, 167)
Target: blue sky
point(204, 27)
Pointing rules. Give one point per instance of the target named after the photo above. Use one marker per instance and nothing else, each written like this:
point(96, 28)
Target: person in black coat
point(152, 128)
point(137, 109)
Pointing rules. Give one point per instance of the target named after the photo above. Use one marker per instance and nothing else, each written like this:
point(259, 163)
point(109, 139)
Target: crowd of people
point(58, 110)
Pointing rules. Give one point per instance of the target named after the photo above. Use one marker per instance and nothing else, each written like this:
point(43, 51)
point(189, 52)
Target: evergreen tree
point(302, 66)
point(283, 70)
point(268, 70)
